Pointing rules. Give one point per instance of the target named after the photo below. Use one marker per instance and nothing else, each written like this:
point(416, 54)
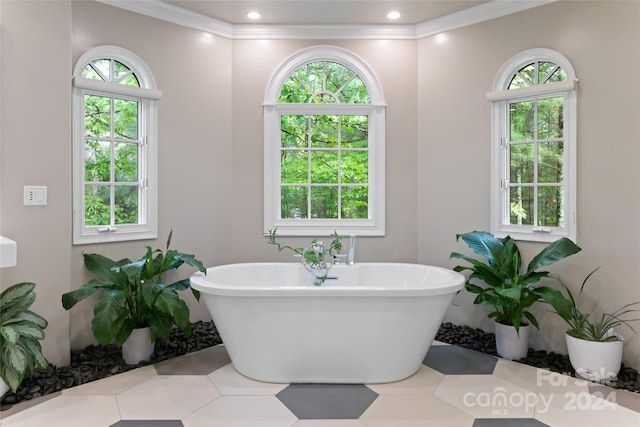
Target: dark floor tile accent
point(148, 423)
point(201, 362)
point(327, 401)
point(454, 360)
point(508, 422)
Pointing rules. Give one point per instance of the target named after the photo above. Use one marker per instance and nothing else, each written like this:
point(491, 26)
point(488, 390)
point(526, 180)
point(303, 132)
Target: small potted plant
point(508, 288)
point(313, 256)
point(595, 350)
point(20, 333)
point(134, 305)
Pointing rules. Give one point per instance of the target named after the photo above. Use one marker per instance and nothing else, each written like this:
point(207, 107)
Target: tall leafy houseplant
point(133, 294)
point(509, 288)
point(595, 349)
point(20, 332)
point(586, 326)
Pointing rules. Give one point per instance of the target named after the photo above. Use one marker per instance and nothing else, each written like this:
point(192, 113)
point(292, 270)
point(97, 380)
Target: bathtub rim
point(201, 283)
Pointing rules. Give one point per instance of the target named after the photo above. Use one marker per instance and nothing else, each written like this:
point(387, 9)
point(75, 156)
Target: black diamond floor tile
point(454, 360)
point(508, 422)
point(327, 401)
point(148, 423)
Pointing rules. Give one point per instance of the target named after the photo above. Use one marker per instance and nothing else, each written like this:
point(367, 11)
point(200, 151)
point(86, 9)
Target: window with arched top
point(324, 120)
point(114, 146)
point(534, 147)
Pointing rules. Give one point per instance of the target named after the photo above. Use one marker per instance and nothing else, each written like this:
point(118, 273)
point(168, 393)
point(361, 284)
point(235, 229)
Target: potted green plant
point(134, 303)
point(20, 333)
point(509, 288)
point(313, 257)
point(595, 349)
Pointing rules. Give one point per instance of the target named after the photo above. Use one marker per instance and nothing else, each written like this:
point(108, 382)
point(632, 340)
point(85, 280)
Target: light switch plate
point(35, 195)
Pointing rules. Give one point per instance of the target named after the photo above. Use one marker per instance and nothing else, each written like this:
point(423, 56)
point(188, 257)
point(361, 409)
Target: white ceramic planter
point(595, 361)
point(138, 347)
point(3, 387)
point(509, 344)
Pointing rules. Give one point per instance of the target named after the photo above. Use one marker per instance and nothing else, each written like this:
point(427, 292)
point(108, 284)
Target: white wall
point(210, 136)
point(35, 150)
point(602, 41)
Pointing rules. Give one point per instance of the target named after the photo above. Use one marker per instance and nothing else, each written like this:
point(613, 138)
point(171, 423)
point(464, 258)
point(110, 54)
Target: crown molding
point(177, 15)
point(174, 14)
point(325, 32)
point(474, 15)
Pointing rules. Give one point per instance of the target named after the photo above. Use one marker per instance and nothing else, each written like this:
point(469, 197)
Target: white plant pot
point(509, 344)
point(595, 361)
point(138, 347)
point(3, 387)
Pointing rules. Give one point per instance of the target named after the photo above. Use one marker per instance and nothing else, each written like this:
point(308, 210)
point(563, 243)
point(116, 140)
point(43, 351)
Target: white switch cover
point(35, 195)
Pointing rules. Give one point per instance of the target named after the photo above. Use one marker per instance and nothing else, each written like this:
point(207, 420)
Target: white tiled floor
point(203, 389)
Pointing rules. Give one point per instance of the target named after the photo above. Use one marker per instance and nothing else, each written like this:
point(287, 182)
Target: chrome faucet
point(351, 255)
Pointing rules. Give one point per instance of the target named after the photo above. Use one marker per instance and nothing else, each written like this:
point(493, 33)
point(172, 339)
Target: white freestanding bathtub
point(368, 323)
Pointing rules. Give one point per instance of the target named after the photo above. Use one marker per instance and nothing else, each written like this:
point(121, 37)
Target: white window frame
point(147, 95)
point(500, 98)
point(374, 225)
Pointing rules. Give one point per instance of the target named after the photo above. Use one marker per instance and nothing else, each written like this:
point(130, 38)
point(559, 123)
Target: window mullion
point(112, 166)
point(309, 153)
point(536, 141)
point(339, 166)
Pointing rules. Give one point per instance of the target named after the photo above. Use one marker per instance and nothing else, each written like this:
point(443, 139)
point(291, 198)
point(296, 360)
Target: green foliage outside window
point(111, 151)
point(324, 159)
point(536, 151)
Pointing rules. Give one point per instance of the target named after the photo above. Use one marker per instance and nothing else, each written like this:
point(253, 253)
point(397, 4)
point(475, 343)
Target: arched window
point(324, 118)
point(114, 146)
point(534, 147)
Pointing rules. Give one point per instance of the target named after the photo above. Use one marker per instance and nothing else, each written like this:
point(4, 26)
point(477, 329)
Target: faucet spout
point(351, 255)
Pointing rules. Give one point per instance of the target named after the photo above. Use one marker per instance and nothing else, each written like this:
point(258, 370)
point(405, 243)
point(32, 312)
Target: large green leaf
point(13, 367)
point(14, 355)
point(9, 334)
point(512, 293)
point(15, 293)
point(108, 308)
point(531, 318)
point(486, 245)
point(555, 299)
point(33, 317)
point(490, 276)
point(70, 299)
point(15, 306)
point(34, 349)
point(103, 267)
point(180, 285)
point(176, 259)
point(123, 332)
point(556, 251)
point(160, 324)
point(22, 328)
point(132, 270)
point(150, 291)
point(533, 277)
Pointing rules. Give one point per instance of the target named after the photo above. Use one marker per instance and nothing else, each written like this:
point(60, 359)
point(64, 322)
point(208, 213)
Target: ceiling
point(324, 12)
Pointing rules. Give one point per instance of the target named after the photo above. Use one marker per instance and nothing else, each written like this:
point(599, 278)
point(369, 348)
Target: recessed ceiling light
point(394, 14)
point(254, 15)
